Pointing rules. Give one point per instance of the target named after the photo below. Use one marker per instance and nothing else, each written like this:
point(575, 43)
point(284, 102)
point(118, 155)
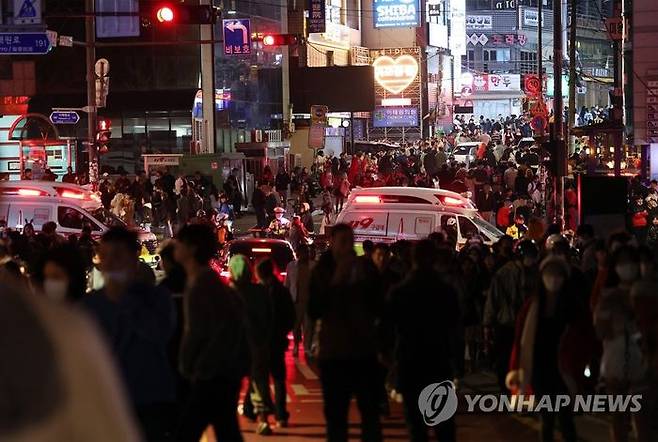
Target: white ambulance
point(389, 214)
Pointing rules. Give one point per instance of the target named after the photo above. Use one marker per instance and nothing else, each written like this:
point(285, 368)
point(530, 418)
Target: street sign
point(532, 85)
point(24, 43)
point(64, 117)
point(319, 122)
point(237, 36)
point(27, 12)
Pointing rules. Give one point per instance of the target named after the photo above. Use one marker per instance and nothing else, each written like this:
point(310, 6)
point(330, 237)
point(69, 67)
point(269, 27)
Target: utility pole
point(540, 44)
point(208, 83)
point(558, 111)
point(572, 73)
point(90, 49)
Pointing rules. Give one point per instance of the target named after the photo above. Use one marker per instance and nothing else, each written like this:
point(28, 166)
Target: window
point(468, 60)
point(528, 62)
point(478, 4)
point(423, 225)
point(71, 218)
point(466, 228)
point(493, 56)
point(535, 3)
point(449, 225)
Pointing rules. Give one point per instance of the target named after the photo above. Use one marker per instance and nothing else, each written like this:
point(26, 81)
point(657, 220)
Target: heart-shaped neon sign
point(395, 74)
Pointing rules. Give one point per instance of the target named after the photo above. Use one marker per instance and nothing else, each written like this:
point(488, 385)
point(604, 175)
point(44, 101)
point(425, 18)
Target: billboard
point(334, 87)
point(396, 13)
point(395, 116)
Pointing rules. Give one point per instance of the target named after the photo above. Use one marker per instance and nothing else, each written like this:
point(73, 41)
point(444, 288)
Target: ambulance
point(389, 214)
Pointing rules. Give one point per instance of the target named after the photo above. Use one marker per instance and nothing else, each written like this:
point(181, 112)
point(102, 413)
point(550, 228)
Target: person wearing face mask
point(138, 320)
point(61, 274)
point(552, 345)
point(510, 286)
point(623, 368)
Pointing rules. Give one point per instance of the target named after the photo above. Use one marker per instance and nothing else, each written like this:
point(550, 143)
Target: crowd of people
point(552, 316)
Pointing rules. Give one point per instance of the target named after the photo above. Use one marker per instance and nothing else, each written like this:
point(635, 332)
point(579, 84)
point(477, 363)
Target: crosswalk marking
point(299, 390)
point(306, 371)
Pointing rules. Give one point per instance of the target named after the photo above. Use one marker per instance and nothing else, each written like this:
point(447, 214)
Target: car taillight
point(261, 250)
point(367, 199)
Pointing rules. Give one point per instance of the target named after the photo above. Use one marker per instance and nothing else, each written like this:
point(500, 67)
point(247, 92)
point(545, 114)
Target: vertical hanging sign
point(316, 16)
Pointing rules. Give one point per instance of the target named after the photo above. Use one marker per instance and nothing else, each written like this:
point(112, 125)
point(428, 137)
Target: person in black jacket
point(424, 346)
point(258, 201)
point(283, 323)
point(345, 294)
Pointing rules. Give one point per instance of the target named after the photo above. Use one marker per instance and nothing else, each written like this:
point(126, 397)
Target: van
point(18, 210)
point(389, 214)
point(78, 195)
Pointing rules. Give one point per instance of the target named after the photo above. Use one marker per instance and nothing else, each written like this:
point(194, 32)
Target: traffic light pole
point(90, 37)
point(558, 112)
point(208, 84)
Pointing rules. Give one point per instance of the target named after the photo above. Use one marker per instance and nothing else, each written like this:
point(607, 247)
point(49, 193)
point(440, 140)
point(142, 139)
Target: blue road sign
point(64, 117)
point(29, 43)
point(237, 36)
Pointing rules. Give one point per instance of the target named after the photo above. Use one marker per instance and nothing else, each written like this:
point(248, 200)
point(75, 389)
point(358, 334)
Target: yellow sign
point(395, 74)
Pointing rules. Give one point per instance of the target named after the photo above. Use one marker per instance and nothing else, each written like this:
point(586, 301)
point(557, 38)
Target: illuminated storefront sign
point(396, 13)
point(395, 117)
point(395, 74)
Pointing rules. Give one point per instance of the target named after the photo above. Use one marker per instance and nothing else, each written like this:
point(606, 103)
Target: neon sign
point(395, 74)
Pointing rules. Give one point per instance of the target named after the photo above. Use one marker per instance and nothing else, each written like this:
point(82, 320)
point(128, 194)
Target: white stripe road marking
point(301, 390)
point(306, 371)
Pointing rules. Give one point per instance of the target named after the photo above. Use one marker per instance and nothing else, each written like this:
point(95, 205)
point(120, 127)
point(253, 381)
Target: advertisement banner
point(396, 13)
point(480, 22)
point(316, 16)
point(395, 116)
point(478, 83)
point(504, 82)
point(531, 18)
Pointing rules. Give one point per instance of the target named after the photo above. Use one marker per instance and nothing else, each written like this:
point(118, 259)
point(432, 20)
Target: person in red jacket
point(554, 342)
point(639, 219)
point(504, 213)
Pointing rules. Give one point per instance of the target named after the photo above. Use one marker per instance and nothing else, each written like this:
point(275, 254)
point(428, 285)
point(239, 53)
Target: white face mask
point(628, 271)
point(117, 277)
point(55, 289)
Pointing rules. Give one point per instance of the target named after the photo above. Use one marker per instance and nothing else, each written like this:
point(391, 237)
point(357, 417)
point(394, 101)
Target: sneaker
point(264, 429)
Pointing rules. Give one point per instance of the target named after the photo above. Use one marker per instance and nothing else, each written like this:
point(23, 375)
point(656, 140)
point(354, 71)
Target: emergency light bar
point(30, 192)
point(367, 199)
point(74, 195)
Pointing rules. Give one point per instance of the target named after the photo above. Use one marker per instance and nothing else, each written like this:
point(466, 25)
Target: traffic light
point(103, 134)
point(185, 14)
point(280, 39)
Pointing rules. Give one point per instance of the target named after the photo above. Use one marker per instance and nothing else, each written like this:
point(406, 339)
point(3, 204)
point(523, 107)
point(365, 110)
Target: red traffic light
point(165, 14)
point(104, 124)
point(185, 14)
point(280, 40)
